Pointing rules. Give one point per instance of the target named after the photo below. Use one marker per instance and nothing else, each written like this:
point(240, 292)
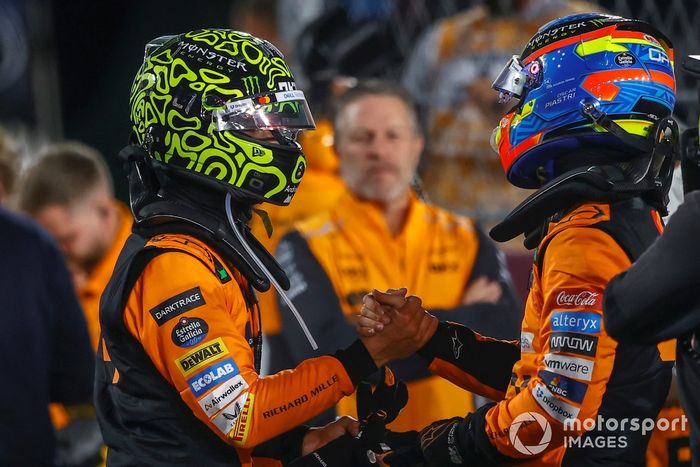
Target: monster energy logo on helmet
point(198, 93)
point(252, 84)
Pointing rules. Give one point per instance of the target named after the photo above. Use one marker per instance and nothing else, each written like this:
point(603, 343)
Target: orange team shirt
point(670, 447)
point(267, 406)
point(89, 295)
point(567, 357)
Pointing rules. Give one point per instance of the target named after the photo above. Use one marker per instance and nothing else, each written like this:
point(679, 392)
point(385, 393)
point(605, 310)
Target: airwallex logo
point(599, 433)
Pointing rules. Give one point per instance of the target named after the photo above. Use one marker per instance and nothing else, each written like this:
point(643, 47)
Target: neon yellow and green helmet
point(201, 105)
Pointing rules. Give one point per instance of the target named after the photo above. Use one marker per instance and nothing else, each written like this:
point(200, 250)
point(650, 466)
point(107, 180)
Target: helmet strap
point(600, 118)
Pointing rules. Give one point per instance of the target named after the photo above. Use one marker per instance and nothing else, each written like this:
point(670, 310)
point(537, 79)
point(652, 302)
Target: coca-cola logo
point(584, 298)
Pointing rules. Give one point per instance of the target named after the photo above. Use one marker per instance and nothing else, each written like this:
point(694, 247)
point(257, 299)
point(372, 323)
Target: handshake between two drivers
point(393, 326)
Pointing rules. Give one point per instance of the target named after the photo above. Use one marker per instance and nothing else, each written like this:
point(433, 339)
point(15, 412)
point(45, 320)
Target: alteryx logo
point(575, 321)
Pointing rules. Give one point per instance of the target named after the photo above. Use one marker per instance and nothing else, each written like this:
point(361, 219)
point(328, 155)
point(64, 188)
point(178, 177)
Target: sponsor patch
point(240, 435)
point(573, 343)
point(177, 305)
point(226, 420)
point(563, 386)
point(625, 59)
point(578, 298)
point(526, 339)
point(201, 355)
point(556, 408)
point(223, 395)
point(215, 374)
point(189, 331)
point(579, 368)
point(575, 321)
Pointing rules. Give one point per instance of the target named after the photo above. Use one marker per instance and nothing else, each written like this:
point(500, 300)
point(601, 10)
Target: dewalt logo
point(201, 355)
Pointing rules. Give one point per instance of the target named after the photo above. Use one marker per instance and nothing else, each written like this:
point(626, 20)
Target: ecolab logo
point(222, 371)
point(582, 298)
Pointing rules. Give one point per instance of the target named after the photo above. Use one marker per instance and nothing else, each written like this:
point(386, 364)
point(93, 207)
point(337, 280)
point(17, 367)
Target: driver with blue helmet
point(591, 132)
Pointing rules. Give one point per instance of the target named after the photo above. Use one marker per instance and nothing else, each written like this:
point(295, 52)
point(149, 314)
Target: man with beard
point(382, 234)
point(69, 192)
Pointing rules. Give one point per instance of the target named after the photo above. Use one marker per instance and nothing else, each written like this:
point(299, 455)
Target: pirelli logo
point(201, 356)
point(239, 435)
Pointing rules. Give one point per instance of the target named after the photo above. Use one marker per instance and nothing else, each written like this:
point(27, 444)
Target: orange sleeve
point(194, 328)
point(562, 387)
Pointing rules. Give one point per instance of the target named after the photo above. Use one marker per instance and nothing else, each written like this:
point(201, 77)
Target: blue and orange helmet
point(574, 68)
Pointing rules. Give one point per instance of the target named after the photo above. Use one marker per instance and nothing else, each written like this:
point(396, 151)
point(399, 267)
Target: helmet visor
point(511, 80)
point(277, 110)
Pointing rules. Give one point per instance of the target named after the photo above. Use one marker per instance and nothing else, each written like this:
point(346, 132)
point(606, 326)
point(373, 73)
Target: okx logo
point(524, 420)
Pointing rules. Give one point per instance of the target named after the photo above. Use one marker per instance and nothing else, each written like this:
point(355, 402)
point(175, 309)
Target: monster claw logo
point(252, 84)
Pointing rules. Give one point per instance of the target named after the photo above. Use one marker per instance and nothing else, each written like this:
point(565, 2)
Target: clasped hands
point(393, 326)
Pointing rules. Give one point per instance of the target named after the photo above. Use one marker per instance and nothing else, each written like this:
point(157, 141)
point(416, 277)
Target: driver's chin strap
point(600, 118)
point(155, 214)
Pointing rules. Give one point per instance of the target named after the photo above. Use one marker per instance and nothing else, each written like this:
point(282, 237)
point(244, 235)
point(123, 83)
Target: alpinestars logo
point(456, 345)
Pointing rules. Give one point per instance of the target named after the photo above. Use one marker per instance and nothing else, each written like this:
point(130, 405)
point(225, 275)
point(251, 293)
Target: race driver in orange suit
point(215, 116)
point(591, 132)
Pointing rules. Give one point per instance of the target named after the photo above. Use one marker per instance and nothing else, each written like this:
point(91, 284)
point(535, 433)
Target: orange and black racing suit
point(656, 299)
point(436, 255)
point(569, 368)
point(177, 378)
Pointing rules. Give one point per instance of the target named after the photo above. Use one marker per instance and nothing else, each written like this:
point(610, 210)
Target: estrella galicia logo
point(213, 375)
point(189, 331)
point(575, 321)
point(563, 386)
point(625, 59)
point(177, 305)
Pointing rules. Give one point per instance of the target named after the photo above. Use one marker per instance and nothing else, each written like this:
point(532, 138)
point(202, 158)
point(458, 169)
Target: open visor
point(511, 80)
point(277, 110)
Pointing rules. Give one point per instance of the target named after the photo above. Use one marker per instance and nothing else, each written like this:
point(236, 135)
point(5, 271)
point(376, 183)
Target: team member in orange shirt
point(215, 116)
point(602, 161)
point(69, 192)
point(380, 234)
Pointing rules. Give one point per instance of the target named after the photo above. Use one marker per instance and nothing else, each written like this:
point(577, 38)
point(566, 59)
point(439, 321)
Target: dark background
point(66, 67)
